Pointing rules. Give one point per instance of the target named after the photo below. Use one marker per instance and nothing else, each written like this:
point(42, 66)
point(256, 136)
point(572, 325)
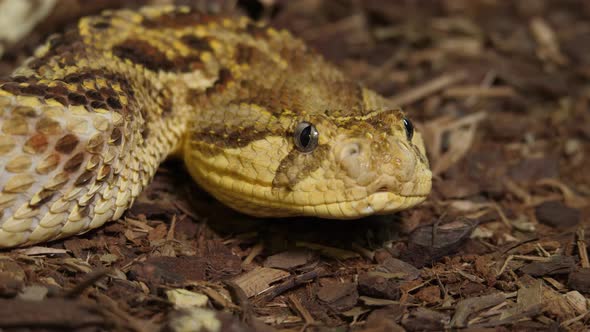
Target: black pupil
point(305, 136)
point(409, 129)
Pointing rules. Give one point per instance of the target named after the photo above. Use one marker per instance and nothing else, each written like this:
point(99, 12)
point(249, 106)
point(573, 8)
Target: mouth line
point(373, 204)
point(369, 197)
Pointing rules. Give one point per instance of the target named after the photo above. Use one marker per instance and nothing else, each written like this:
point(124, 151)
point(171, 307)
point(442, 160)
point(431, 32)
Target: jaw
point(378, 203)
point(384, 203)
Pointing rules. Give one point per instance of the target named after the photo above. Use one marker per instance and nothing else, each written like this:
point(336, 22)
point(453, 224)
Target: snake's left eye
point(306, 137)
point(409, 127)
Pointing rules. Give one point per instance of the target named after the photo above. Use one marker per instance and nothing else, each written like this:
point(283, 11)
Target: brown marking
point(49, 164)
point(84, 211)
point(36, 144)
point(224, 76)
point(24, 111)
point(164, 100)
point(296, 166)
point(145, 132)
point(143, 53)
point(34, 89)
point(98, 104)
point(77, 99)
point(116, 137)
point(196, 43)
point(179, 19)
point(383, 121)
point(188, 63)
point(230, 137)
point(114, 103)
point(92, 99)
point(20, 79)
point(84, 178)
point(25, 88)
point(372, 121)
point(256, 30)
point(105, 95)
point(63, 49)
point(101, 25)
point(58, 93)
point(94, 95)
point(59, 89)
point(66, 144)
point(60, 99)
point(245, 53)
point(275, 100)
point(11, 87)
point(104, 173)
point(74, 163)
point(45, 195)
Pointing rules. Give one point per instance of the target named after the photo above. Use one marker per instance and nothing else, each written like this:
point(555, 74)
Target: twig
point(521, 257)
point(171, 230)
point(88, 281)
point(293, 282)
point(466, 91)
point(256, 250)
point(241, 299)
point(307, 317)
point(427, 89)
point(582, 249)
point(573, 320)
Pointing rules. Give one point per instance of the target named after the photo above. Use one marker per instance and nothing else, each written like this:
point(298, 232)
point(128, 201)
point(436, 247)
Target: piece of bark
point(429, 243)
point(557, 265)
point(467, 307)
point(339, 296)
point(580, 280)
point(557, 215)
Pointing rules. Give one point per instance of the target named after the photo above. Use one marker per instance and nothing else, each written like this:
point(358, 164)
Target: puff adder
point(262, 122)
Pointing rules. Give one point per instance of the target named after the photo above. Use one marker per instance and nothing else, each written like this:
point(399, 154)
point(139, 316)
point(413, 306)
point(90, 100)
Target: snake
point(261, 121)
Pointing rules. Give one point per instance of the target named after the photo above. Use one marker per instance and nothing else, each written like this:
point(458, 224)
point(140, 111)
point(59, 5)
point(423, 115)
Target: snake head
point(324, 165)
point(350, 167)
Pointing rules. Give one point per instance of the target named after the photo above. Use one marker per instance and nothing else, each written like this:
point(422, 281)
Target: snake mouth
point(381, 201)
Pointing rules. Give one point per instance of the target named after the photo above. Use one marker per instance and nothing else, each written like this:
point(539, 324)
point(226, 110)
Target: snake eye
point(306, 137)
point(409, 129)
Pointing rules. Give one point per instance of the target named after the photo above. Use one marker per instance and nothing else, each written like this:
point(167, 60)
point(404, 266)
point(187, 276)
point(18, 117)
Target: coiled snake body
point(263, 123)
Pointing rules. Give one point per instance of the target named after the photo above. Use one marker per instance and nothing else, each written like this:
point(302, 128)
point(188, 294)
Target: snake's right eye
point(409, 127)
point(306, 137)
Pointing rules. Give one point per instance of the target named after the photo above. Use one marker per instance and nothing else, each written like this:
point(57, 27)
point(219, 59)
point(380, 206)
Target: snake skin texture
point(262, 122)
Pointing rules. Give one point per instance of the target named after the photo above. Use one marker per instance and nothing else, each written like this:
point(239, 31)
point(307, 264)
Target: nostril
point(382, 189)
point(353, 150)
